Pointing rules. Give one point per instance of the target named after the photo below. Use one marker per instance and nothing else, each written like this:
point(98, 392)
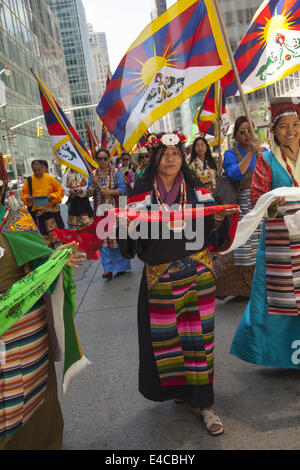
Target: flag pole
point(64, 124)
point(233, 64)
point(220, 128)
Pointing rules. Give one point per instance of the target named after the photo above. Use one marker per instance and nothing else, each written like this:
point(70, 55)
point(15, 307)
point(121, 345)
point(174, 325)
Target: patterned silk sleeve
point(261, 180)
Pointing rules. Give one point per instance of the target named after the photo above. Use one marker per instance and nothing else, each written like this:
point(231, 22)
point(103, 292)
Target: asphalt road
point(260, 407)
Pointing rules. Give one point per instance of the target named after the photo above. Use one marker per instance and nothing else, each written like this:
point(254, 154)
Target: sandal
point(211, 421)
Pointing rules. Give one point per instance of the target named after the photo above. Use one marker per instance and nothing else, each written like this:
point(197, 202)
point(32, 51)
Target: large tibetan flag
point(177, 55)
point(210, 112)
point(270, 49)
point(66, 143)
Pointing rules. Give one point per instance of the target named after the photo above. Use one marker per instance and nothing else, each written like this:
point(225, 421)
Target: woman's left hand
point(105, 192)
point(75, 257)
point(226, 213)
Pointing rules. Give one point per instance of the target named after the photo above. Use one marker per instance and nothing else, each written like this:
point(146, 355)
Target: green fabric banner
point(23, 295)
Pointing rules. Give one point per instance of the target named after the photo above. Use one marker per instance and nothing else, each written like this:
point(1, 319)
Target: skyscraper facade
point(71, 17)
point(99, 53)
point(29, 38)
point(100, 40)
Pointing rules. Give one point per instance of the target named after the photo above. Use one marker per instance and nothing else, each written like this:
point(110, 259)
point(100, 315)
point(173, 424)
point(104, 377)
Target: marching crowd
point(179, 286)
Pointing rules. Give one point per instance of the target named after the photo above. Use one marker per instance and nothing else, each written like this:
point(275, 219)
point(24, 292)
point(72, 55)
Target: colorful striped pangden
point(23, 371)
point(182, 306)
point(245, 255)
point(282, 266)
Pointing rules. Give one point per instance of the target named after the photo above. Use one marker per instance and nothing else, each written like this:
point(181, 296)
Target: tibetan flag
point(91, 138)
point(270, 49)
point(177, 55)
point(66, 143)
point(109, 142)
point(210, 112)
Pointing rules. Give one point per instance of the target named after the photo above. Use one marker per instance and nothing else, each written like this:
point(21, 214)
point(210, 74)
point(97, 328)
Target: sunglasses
point(102, 159)
point(125, 159)
point(244, 131)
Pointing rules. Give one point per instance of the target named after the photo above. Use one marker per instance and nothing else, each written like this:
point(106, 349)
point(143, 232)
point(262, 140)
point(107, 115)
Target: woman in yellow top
point(47, 217)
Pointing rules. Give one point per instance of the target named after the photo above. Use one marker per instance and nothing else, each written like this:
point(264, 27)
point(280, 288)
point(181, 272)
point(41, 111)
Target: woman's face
point(125, 160)
point(200, 148)
point(243, 135)
point(287, 130)
point(170, 163)
point(102, 160)
point(144, 160)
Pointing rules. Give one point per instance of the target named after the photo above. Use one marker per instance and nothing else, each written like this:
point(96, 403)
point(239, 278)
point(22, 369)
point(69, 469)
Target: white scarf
point(249, 223)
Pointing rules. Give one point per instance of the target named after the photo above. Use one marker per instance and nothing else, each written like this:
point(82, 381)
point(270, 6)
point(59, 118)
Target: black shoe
point(107, 275)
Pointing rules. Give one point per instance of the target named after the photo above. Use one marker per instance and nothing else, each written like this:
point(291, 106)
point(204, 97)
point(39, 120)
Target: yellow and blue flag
point(210, 113)
point(270, 48)
point(177, 55)
point(66, 143)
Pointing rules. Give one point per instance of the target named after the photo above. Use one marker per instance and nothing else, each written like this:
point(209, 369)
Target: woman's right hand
point(254, 146)
point(279, 201)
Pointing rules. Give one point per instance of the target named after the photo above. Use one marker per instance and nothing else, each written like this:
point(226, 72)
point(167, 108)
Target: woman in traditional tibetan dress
point(235, 271)
point(80, 213)
point(269, 331)
point(203, 164)
point(127, 172)
point(30, 414)
point(177, 292)
point(106, 185)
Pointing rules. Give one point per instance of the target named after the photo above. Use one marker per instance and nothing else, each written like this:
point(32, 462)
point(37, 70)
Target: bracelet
point(218, 219)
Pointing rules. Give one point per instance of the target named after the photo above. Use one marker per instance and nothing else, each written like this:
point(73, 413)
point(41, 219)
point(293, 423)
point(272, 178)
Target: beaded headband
point(280, 110)
point(168, 140)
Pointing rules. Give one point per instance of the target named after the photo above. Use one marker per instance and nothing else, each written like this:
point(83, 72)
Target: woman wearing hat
point(270, 327)
point(143, 158)
point(177, 293)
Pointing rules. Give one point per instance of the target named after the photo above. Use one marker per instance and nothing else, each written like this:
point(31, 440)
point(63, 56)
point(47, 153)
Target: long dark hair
point(208, 158)
point(152, 167)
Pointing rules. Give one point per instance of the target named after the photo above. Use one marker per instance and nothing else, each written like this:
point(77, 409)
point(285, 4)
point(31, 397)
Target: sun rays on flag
point(151, 67)
point(284, 20)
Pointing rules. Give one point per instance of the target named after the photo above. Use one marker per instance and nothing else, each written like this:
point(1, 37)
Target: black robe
point(154, 252)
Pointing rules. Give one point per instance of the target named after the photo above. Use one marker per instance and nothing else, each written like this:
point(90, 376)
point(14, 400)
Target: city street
point(260, 407)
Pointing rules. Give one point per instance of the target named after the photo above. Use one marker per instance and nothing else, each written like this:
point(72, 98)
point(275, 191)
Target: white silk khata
point(248, 224)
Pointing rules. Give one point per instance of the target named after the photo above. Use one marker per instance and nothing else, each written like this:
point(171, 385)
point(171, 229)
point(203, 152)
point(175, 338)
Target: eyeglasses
point(104, 159)
point(144, 156)
point(245, 131)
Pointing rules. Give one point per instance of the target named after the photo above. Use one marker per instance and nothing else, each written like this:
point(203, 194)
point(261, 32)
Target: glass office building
point(29, 38)
point(75, 38)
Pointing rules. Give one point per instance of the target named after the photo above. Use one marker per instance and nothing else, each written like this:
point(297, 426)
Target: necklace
point(182, 200)
point(295, 183)
point(175, 225)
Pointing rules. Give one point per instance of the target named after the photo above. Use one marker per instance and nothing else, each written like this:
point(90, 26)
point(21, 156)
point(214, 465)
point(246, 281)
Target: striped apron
point(245, 255)
point(23, 370)
point(282, 265)
point(182, 306)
